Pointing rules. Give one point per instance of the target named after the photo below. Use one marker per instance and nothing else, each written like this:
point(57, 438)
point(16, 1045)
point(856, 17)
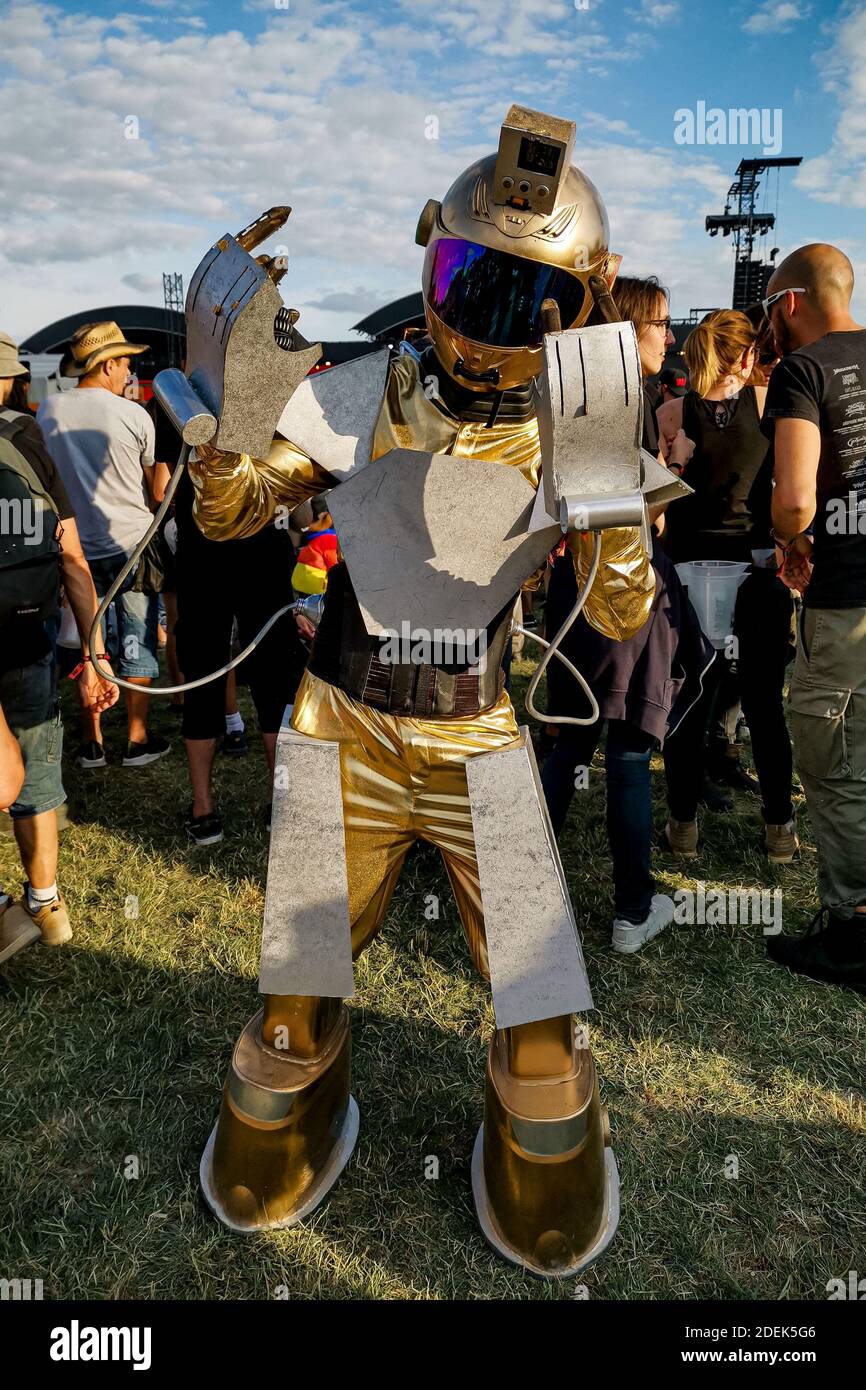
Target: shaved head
point(823, 270)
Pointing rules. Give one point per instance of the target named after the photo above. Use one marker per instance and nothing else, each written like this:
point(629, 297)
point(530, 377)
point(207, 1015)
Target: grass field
point(116, 1048)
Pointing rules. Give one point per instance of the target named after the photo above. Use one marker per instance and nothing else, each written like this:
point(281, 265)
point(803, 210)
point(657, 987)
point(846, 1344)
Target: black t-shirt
point(825, 382)
point(650, 440)
point(27, 437)
point(23, 640)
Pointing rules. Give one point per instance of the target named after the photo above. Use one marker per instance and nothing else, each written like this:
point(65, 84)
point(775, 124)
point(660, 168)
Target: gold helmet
point(516, 228)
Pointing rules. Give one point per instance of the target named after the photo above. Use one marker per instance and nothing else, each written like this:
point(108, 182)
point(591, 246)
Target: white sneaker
point(630, 936)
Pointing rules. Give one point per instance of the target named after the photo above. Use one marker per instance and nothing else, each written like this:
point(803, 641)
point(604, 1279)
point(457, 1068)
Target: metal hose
point(95, 630)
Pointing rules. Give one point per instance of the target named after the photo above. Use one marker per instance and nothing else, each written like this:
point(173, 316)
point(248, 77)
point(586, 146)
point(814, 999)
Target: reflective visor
point(495, 298)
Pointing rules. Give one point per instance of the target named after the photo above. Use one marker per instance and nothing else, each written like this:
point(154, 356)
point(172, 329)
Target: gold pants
point(544, 1189)
point(403, 779)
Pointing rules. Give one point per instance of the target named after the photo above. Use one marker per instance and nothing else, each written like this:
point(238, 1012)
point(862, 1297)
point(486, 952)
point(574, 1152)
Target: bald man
point(816, 416)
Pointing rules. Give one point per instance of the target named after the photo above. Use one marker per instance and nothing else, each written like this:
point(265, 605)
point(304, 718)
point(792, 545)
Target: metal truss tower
point(172, 292)
point(745, 223)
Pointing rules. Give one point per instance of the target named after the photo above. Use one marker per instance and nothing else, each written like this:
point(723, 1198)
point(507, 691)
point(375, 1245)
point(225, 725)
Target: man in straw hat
point(27, 689)
point(103, 446)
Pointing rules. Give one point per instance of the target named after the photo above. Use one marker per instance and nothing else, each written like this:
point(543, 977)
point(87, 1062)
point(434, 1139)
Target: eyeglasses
point(660, 323)
point(771, 299)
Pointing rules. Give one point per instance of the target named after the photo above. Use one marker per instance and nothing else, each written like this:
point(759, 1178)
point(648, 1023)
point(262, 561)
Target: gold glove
point(621, 598)
point(237, 495)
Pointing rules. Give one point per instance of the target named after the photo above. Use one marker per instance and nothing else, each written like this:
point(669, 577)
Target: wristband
point(76, 670)
point(784, 546)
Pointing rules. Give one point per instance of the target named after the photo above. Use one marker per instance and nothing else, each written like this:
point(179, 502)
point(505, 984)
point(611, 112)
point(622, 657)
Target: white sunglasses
point(771, 299)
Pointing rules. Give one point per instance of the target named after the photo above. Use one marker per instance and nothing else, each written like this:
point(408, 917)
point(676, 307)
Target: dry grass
point(118, 1046)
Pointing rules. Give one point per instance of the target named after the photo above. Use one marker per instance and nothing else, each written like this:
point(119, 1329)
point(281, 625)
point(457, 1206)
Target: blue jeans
point(629, 803)
point(137, 653)
point(29, 702)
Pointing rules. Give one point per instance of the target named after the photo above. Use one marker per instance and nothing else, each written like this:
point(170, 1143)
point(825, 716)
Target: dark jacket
point(653, 678)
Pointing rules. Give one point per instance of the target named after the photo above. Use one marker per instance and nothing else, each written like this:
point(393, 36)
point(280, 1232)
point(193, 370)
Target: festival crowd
point(764, 424)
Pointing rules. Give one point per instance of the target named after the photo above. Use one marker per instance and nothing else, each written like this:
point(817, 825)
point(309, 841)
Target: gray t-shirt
point(100, 443)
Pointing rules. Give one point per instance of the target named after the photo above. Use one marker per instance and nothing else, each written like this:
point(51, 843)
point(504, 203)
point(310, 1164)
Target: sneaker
point(831, 948)
point(140, 754)
point(17, 929)
point(628, 937)
point(51, 921)
point(781, 842)
point(206, 829)
point(234, 745)
point(681, 838)
point(90, 755)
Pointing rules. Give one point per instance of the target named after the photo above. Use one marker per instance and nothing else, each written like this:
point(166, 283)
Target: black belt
point(345, 655)
point(428, 692)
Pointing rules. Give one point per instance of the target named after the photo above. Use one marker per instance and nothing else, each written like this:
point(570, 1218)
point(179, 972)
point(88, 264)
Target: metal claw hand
point(244, 357)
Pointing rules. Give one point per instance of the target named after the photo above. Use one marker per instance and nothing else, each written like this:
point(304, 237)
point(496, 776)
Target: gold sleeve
point(236, 495)
point(621, 598)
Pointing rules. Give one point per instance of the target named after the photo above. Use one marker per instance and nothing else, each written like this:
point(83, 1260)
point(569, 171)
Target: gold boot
point(288, 1124)
point(544, 1176)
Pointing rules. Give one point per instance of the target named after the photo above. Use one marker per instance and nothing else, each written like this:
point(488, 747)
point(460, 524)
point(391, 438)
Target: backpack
point(29, 552)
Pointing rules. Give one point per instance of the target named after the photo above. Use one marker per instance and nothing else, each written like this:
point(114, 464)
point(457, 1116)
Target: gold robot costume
point(287, 1123)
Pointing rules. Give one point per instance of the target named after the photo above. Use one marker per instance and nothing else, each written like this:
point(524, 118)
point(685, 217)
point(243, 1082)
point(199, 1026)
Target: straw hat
point(94, 343)
point(9, 364)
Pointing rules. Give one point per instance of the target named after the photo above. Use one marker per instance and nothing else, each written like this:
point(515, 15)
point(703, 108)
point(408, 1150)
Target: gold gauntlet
point(621, 598)
point(236, 495)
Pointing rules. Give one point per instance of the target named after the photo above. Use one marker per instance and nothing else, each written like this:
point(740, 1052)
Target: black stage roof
point(136, 321)
point(399, 314)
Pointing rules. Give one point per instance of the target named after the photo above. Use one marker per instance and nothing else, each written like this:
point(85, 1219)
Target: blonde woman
point(722, 414)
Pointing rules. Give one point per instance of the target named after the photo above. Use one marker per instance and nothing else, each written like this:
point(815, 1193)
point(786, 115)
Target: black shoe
point(234, 745)
point(713, 799)
point(729, 772)
point(204, 830)
point(90, 755)
point(140, 754)
point(831, 948)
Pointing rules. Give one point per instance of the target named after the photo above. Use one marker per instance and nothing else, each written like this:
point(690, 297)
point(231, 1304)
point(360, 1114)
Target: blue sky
point(329, 105)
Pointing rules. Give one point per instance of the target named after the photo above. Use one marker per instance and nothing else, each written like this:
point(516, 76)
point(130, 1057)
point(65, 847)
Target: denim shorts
point(30, 705)
point(137, 617)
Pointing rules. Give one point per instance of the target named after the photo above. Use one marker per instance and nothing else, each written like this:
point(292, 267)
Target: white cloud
point(357, 301)
point(657, 13)
point(143, 284)
point(776, 17)
point(839, 175)
point(322, 107)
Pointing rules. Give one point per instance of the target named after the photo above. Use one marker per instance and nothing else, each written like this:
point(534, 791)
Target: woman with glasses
point(644, 686)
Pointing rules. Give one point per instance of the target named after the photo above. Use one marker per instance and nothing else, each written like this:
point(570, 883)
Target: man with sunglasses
point(816, 416)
